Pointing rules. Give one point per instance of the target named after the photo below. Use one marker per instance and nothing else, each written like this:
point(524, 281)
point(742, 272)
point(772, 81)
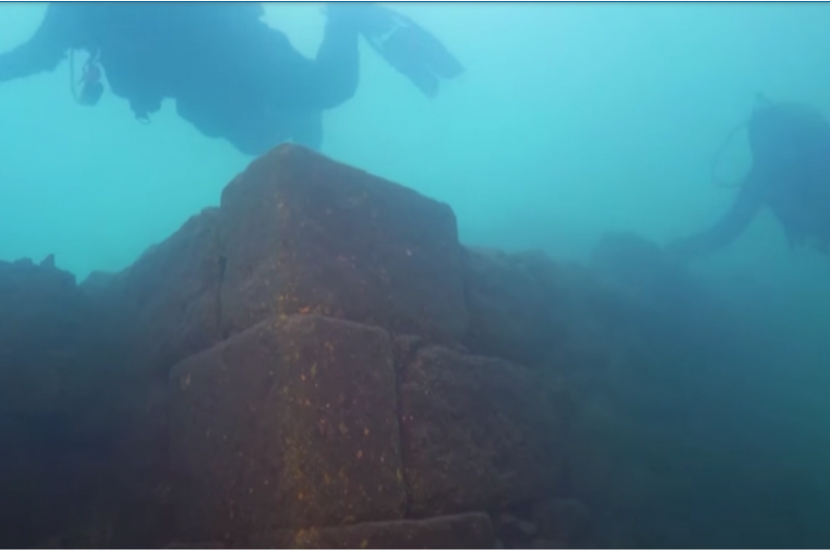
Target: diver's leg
point(250, 127)
point(336, 68)
point(405, 45)
point(295, 90)
point(332, 78)
point(285, 79)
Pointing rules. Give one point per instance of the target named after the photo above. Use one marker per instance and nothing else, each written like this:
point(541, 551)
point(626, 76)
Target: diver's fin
point(409, 48)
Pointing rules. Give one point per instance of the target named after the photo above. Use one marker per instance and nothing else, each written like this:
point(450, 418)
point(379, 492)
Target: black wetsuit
point(231, 74)
point(790, 175)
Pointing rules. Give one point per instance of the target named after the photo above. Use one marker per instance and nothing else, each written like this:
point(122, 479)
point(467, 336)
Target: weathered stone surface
point(624, 364)
point(646, 270)
point(305, 234)
point(291, 424)
point(683, 428)
point(547, 544)
point(566, 521)
point(167, 307)
point(171, 293)
point(663, 417)
point(58, 407)
point(42, 311)
point(477, 433)
point(195, 546)
point(467, 531)
point(657, 297)
point(513, 302)
point(513, 531)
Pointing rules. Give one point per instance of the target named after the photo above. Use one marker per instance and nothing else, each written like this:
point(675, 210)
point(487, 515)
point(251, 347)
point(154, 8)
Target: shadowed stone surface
point(477, 432)
point(59, 414)
point(565, 521)
point(305, 234)
point(171, 293)
point(168, 305)
point(645, 414)
point(288, 425)
point(513, 304)
point(468, 532)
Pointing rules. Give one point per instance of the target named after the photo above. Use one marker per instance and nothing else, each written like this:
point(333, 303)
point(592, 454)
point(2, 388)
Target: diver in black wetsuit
point(790, 175)
point(232, 75)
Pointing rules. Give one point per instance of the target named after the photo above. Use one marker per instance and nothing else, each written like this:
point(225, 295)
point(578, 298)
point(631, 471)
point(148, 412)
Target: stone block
point(170, 295)
point(458, 532)
point(477, 433)
point(513, 303)
point(289, 425)
point(304, 234)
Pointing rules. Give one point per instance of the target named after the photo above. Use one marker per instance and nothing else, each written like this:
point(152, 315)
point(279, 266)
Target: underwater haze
point(572, 120)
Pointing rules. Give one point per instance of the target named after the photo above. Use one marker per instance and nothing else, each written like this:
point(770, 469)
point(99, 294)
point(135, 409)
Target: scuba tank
point(775, 132)
point(91, 83)
point(92, 87)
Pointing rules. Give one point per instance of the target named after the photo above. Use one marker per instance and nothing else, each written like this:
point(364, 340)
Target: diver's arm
point(740, 215)
point(43, 52)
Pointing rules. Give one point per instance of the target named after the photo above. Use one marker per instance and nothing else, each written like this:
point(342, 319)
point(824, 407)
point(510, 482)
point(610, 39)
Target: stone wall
point(319, 363)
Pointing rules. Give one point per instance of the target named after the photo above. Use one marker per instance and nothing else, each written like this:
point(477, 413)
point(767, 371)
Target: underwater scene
point(437, 275)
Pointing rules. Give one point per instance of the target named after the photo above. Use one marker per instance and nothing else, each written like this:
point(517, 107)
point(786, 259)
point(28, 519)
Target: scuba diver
point(790, 175)
point(230, 73)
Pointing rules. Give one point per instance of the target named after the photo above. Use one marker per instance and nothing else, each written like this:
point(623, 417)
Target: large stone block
point(304, 234)
point(58, 410)
point(166, 308)
point(42, 326)
point(565, 521)
point(514, 303)
point(477, 433)
point(289, 425)
point(170, 295)
point(467, 531)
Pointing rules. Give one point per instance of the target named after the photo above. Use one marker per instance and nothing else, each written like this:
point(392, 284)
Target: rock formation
point(318, 362)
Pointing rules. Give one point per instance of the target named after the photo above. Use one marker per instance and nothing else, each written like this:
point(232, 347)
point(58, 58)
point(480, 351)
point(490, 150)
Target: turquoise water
point(571, 121)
